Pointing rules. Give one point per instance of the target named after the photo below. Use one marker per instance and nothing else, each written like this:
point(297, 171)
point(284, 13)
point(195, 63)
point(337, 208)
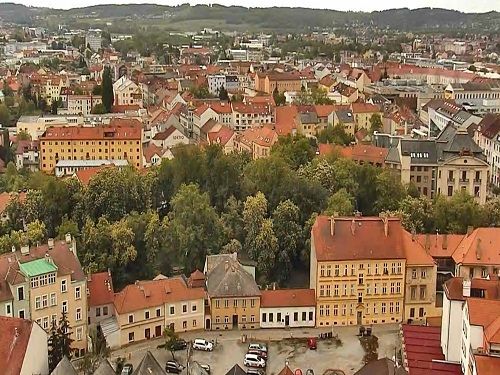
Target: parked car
point(180, 344)
point(173, 367)
point(253, 360)
point(255, 371)
point(202, 344)
point(127, 369)
point(260, 353)
point(257, 346)
point(309, 372)
point(312, 343)
point(205, 367)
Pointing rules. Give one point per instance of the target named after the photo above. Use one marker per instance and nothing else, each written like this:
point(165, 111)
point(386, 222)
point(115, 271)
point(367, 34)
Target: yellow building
point(363, 112)
point(357, 270)
point(234, 297)
point(282, 81)
point(86, 143)
point(43, 282)
point(146, 308)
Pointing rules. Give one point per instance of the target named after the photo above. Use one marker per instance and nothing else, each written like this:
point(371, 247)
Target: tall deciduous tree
point(254, 213)
point(266, 248)
point(295, 149)
point(375, 123)
point(107, 89)
point(340, 203)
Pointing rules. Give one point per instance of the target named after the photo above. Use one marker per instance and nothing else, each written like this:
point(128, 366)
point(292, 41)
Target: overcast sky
point(358, 5)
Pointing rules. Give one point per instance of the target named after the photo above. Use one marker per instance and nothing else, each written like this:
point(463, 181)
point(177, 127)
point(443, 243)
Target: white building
point(215, 83)
point(93, 39)
point(35, 126)
point(169, 138)
point(487, 136)
point(70, 167)
point(127, 92)
point(80, 104)
point(288, 308)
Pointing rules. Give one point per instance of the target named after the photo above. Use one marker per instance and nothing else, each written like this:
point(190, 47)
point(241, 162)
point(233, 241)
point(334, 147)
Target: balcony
point(463, 181)
point(451, 180)
point(477, 181)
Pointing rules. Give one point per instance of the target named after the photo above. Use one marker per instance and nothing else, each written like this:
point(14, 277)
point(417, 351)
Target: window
point(252, 303)
point(368, 288)
point(271, 317)
point(226, 303)
point(146, 314)
point(322, 271)
point(353, 269)
point(252, 318)
point(360, 279)
point(64, 306)
point(45, 322)
point(264, 317)
point(278, 317)
point(131, 318)
point(423, 274)
point(217, 305)
point(383, 307)
point(184, 324)
point(8, 309)
point(399, 268)
point(421, 312)
point(328, 290)
point(20, 293)
point(398, 288)
point(79, 334)
point(413, 293)
point(337, 270)
point(393, 268)
point(78, 293)
point(184, 308)
point(194, 322)
point(336, 290)
point(397, 307)
point(158, 312)
point(226, 319)
point(327, 310)
point(78, 315)
point(53, 300)
point(384, 288)
point(105, 310)
point(130, 336)
point(321, 290)
point(310, 315)
point(98, 311)
point(391, 307)
point(386, 270)
point(360, 297)
point(414, 273)
point(38, 303)
point(304, 315)
point(235, 303)
point(376, 268)
point(64, 287)
point(412, 312)
point(295, 316)
point(392, 288)
point(450, 191)
point(423, 292)
point(21, 314)
point(172, 310)
point(45, 300)
point(368, 269)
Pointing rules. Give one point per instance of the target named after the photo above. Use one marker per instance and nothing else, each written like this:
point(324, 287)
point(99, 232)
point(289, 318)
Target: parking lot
point(284, 346)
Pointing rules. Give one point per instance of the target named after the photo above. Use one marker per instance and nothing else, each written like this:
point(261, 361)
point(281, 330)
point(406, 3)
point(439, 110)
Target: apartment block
point(85, 143)
point(358, 270)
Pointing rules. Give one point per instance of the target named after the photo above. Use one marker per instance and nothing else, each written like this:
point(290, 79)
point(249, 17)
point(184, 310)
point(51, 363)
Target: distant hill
point(293, 19)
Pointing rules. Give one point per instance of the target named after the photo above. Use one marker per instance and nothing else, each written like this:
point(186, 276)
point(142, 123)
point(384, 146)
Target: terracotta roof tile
point(440, 245)
point(100, 287)
point(98, 133)
point(285, 119)
point(364, 108)
point(454, 288)
point(288, 298)
point(482, 312)
point(151, 151)
point(222, 136)
point(480, 247)
point(486, 365)
point(85, 175)
point(13, 343)
point(5, 199)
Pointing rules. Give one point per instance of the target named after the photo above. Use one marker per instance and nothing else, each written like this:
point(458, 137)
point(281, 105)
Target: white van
point(253, 360)
point(202, 344)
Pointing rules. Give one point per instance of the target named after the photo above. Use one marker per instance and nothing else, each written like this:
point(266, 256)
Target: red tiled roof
point(144, 294)
point(415, 252)
point(285, 119)
point(262, 136)
point(252, 108)
point(482, 312)
point(288, 298)
point(487, 365)
point(165, 134)
point(480, 247)
point(5, 199)
point(151, 151)
point(85, 175)
point(358, 238)
point(14, 339)
point(358, 152)
point(260, 99)
point(454, 288)
point(222, 136)
point(422, 348)
point(440, 245)
point(364, 108)
point(87, 133)
point(286, 371)
point(324, 110)
point(100, 287)
point(122, 108)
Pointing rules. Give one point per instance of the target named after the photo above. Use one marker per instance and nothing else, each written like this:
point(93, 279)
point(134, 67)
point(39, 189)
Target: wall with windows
point(359, 292)
point(281, 317)
point(229, 313)
point(420, 297)
point(99, 313)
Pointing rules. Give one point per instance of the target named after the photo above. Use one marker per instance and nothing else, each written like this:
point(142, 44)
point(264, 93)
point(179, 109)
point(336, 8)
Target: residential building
point(283, 308)
point(246, 116)
point(233, 296)
point(79, 104)
point(439, 113)
point(456, 291)
point(363, 112)
point(127, 92)
point(27, 155)
point(153, 155)
point(358, 269)
point(144, 309)
point(487, 136)
point(71, 167)
point(23, 347)
point(225, 137)
point(452, 162)
point(217, 81)
point(169, 138)
point(479, 98)
point(84, 143)
point(93, 39)
point(35, 126)
point(359, 153)
point(281, 81)
point(100, 297)
point(420, 282)
point(39, 283)
point(256, 141)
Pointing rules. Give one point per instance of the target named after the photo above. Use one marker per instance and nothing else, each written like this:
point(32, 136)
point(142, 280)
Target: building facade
point(285, 308)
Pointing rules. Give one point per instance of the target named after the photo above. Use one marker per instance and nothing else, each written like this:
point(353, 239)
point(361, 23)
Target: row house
point(369, 270)
point(145, 309)
point(439, 113)
point(42, 282)
point(127, 92)
point(250, 115)
point(217, 110)
point(256, 141)
point(487, 136)
point(216, 82)
point(49, 87)
point(287, 308)
point(443, 166)
point(363, 113)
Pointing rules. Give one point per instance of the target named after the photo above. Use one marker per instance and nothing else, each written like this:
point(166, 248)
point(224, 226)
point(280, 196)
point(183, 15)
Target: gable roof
point(100, 286)
point(13, 343)
point(490, 125)
point(483, 312)
point(236, 370)
point(149, 366)
point(152, 293)
point(230, 279)
point(165, 134)
point(64, 367)
point(357, 238)
point(104, 368)
point(479, 247)
point(222, 136)
point(382, 366)
point(286, 371)
point(285, 119)
point(152, 150)
point(486, 365)
point(288, 298)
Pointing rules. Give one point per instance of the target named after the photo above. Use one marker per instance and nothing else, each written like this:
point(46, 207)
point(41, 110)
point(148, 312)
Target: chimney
point(68, 238)
point(470, 229)
point(413, 235)
point(445, 242)
point(478, 249)
point(13, 249)
point(226, 265)
point(427, 242)
point(466, 287)
point(50, 243)
point(385, 220)
point(332, 226)
point(353, 226)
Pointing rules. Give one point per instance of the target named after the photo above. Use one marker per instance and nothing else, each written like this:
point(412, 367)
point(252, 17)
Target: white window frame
point(78, 314)
point(78, 292)
point(64, 286)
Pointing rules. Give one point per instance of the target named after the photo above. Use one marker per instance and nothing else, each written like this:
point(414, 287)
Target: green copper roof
point(37, 267)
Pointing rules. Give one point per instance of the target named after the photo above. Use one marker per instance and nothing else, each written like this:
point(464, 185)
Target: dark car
point(127, 369)
point(205, 367)
point(255, 371)
point(260, 353)
point(173, 367)
point(179, 344)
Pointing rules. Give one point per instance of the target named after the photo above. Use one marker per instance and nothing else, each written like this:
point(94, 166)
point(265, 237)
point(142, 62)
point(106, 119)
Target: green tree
point(55, 351)
point(375, 123)
point(335, 135)
point(295, 149)
point(171, 339)
point(455, 214)
point(59, 342)
point(232, 219)
point(254, 213)
point(389, 190)
point(67, 226)
point(97, 90)
point(107, 89)
point(279, 98)
point(266, 248)
point(417, 214)
point(223, 95)
point(98, 109)
point(36, 232)
point(340, 203)
point(5, 119)
point(7, 90)
point(195, 228)
point(492, 211)
point(233, 246)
